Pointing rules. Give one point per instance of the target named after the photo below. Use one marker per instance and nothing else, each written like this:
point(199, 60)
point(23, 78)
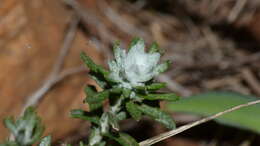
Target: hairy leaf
point(46, 141)
point(158, 116)
point(136, 42)
point(121, 116)
point(95, 99)
point(162, 67)
point(152, 87)
point(27, 129)
point(133, 110)
point(123, 139)
point(81, 114)
point(9, 143)
point(92, 66)
point(98, 97)
point(154, 48)
point(166, 96)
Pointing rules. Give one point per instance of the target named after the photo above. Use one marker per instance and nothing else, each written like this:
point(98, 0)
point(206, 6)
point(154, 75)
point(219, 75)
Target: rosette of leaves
point(131, 90)
point(26, 130)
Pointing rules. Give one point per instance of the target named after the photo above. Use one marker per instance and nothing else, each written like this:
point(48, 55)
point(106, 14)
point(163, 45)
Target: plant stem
point(104, 127)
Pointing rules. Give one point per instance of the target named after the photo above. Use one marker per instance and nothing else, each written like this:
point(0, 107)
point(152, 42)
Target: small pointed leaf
point(95, 99)
point(126, 140)
point(156, 86)
point(154, 48)
point(9, 143)
point(158, 116)
point(27, 129)
point(98, 97)
point(136, 42)
point(81, 114)
point(123, 139)
point(100, 80)
point(152, 87)
point(92, 66)
point(121, 116)
point(46, 141)
point(133, 110)
point(162, 67)
point(166, 96)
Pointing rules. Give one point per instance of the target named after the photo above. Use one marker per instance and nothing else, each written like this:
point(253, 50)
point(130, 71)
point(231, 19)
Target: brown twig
point(251, 80)
point(171, 133)
point(54, 76)
point(120, 22)
point(89, 18)
point(240, 4)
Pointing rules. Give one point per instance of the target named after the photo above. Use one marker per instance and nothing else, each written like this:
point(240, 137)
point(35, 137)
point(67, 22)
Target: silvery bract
point(135, 67)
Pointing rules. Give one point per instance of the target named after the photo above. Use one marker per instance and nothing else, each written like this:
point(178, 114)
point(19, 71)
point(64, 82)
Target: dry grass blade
point(171, 133)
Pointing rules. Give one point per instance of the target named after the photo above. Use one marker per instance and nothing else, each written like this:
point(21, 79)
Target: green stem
point(104, 123)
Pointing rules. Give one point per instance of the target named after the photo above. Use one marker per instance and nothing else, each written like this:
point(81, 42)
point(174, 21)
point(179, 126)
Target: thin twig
point(171, 133)
point(91, 19)
point(120, 22)
point(251, 80)
point(35, 97)
point(240, 4)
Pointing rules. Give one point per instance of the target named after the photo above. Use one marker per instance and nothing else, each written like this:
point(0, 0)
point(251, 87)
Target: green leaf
point(158, 116)
point(9, 143)
point(156, 86)
point(135, 42)
point(100, 80)
point(209, 103)
point(124, 139)
point(166, 96)
point(46, 141)
point(116, 90)
point(97, 72)
point(133, 110)
point(152, 87)
point(162, 67)
point(119, 54)
point(27, 129)
point(81, 114)
point(92, 66)
point(81, 143)
point(9, 124)
point(90, 90)
point(95, 99)
point(126, 93)
point(98, 97)
point(155, 48)
point(121, 116)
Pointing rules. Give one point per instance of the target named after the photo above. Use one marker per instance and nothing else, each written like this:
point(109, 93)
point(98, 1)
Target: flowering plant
point(128, 86)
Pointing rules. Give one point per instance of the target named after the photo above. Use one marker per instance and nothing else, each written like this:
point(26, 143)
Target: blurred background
point(214, 45)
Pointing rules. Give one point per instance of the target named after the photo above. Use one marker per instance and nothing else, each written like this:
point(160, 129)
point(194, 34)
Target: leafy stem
point(129, 88)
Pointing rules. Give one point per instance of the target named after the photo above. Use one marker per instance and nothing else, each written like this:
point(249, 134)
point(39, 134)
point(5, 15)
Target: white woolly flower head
point(135, 67)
